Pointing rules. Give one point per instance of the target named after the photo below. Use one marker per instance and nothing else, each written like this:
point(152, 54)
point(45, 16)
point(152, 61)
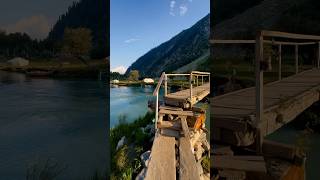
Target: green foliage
point(134, 75)
point(206, 164)
point(118, 76)
point(89, 14)
point(77, 42)
point(123, 166)
point(122, 159)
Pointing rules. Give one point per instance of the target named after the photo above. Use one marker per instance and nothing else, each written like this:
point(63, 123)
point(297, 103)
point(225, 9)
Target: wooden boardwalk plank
point(162, 164)
point(289, 96)
point(188, 165)
point(248, 164)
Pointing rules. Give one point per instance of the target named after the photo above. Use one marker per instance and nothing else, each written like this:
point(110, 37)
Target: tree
point(77, 42)
point(134, 75)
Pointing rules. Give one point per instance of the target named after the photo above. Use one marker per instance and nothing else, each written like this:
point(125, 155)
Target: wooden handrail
point(220, 41)
point(289, 35)
point(156, 91)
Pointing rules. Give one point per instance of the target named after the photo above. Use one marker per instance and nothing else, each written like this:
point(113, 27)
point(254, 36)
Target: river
point(131, 102)
point(289, 134)
point(61, 120)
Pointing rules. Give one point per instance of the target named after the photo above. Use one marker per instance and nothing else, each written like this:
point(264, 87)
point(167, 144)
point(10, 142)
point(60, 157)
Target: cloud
point(172, 5)
point(120, 69)
point(183, 10)
point(37, 26)
point(131, 40)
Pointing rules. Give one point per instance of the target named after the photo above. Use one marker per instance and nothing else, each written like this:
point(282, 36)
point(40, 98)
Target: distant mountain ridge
point(91, 14)
point(180, 50)
point(296, 16)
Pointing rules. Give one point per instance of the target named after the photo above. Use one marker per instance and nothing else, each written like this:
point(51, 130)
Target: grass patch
point(125, 162)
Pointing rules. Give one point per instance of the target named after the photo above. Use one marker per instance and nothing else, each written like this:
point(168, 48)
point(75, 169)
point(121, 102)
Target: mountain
point(91, 14)
point(182, 49)
point(296, 16)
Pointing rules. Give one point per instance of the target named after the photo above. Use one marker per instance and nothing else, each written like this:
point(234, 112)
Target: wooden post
point(157, 109)
point(197, 81)
point(318, 55)
point(202, 79)
point(259, 88)
point(280, 59)
point(297, 58)
point(191, 86)
point(165, 85)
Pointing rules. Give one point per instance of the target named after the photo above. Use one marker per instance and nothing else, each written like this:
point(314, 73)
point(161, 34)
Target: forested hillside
point(91, 14)
point(182, 49)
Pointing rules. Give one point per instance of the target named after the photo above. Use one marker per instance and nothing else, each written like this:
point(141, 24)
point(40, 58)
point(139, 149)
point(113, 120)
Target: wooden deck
point(234, 113)
point(181, 97)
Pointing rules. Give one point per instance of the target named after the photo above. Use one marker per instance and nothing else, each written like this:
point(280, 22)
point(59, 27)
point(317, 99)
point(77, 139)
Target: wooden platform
point(234, 113)
point(179, 98)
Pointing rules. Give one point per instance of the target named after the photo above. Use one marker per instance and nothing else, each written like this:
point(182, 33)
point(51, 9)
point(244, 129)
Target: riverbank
point(67, 69)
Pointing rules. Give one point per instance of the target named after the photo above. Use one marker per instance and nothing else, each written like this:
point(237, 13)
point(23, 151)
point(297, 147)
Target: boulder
point(145, 158)
point(121, 142)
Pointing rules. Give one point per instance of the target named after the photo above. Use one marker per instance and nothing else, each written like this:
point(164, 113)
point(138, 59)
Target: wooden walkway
point(241, 119)
point(283, 101)
point(172, 153)
point(246, 116)
point(183, 96)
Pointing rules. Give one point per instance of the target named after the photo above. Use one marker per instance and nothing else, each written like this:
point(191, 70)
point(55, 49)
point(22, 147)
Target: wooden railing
point(193, 79)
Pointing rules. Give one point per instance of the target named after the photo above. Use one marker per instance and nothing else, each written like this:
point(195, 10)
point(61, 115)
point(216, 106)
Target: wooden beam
point(165, 85)
point(297, 58)
point(289, 35)
point(222, 41)
point(280, 63)
point(232, 41)
point(239, 164)
point(318, 64)
point(259, 88)
point(190, 81)
point(288, 43)
point(182, 113)
point(278, 150)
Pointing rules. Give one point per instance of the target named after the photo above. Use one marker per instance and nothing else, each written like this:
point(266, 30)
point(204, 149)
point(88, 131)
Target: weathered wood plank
point(286, 98)
point(162, 164)
point(280, 150)
point(233, 163)
point(188, 166)
point(182, 113)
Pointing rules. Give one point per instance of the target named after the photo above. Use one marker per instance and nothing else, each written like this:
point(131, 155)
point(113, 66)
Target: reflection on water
point(64, 120)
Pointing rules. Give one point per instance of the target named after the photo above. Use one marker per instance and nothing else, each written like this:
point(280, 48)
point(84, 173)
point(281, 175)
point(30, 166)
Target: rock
point(145, 158)
point(142, 129)
point(121, 142)
point(199, 151)
point(150, 128)
point(142, 174)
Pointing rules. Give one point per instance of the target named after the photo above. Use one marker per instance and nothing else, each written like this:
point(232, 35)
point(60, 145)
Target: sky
point(140, 25)
point(34, 17)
